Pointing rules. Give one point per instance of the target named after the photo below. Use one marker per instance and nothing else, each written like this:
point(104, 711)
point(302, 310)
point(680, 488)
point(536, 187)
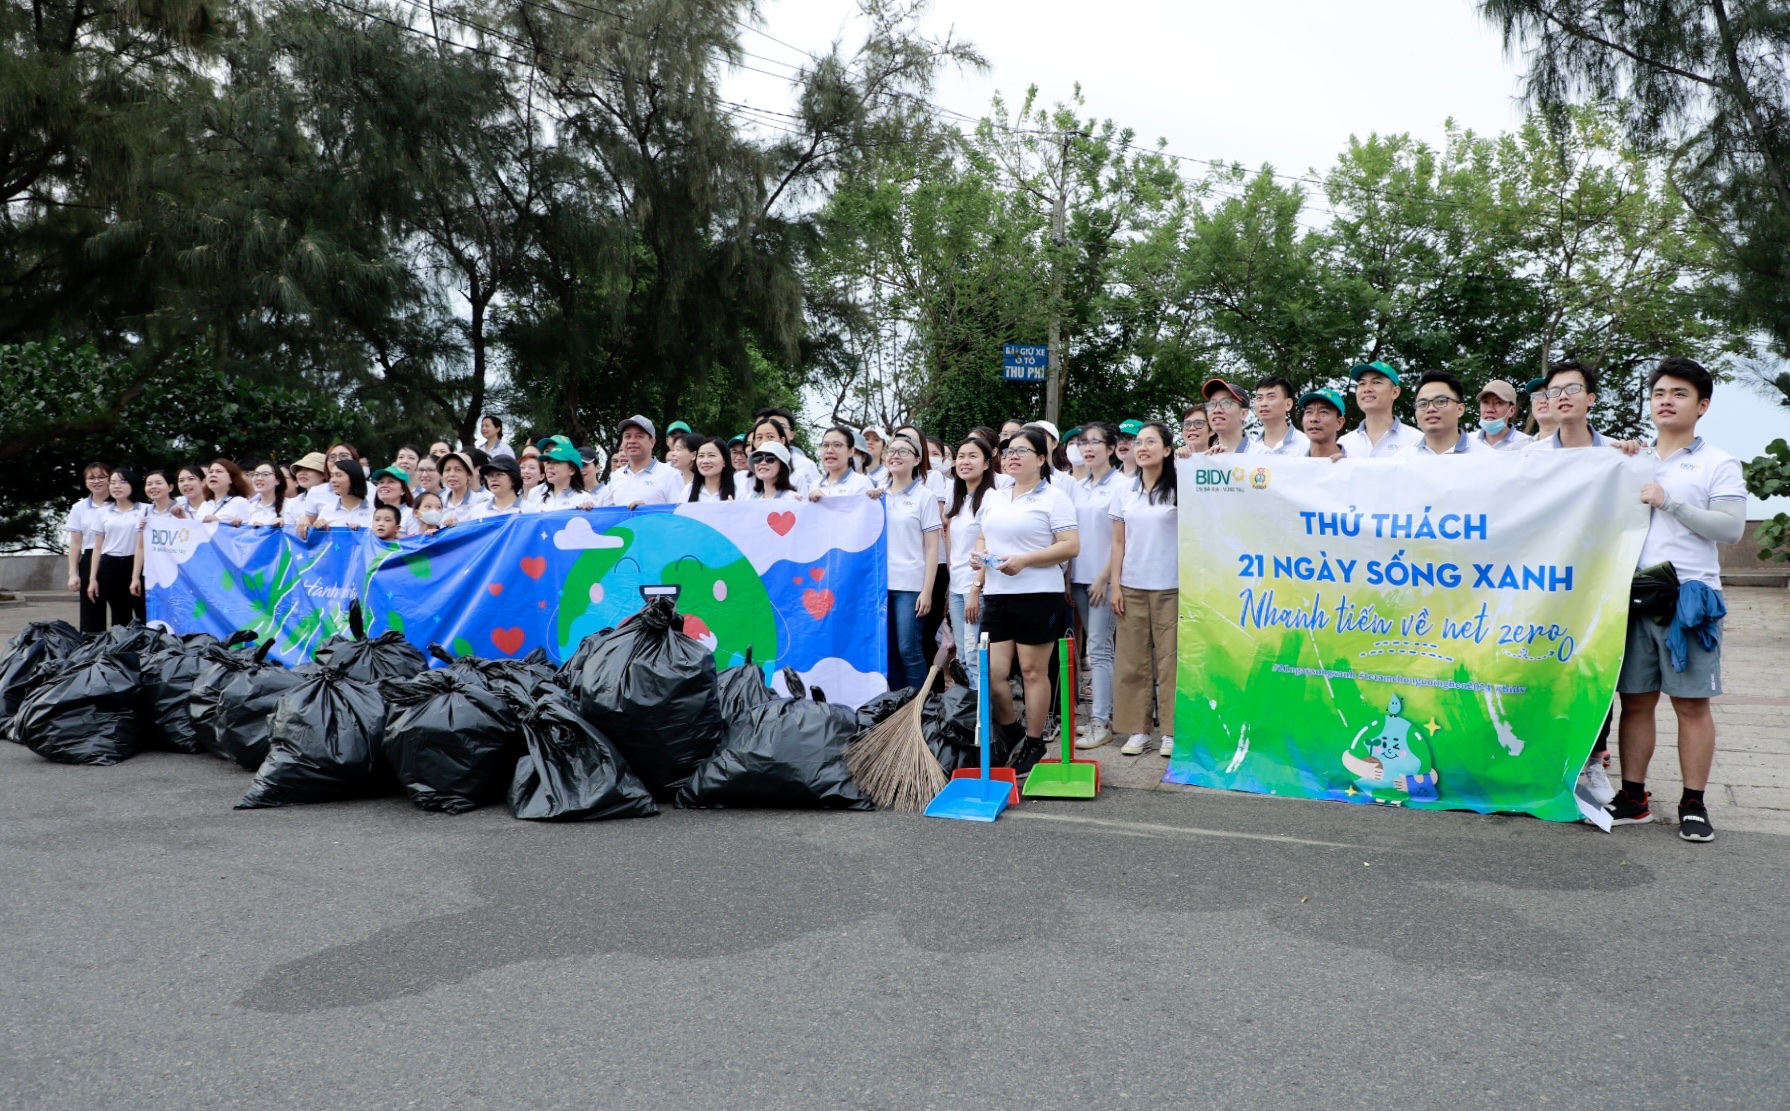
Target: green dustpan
point(1065, 777)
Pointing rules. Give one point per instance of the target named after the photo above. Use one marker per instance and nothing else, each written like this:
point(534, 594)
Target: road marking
point(1147, 829)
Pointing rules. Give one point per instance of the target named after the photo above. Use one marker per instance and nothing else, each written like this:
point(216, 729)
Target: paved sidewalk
point(1749, 788)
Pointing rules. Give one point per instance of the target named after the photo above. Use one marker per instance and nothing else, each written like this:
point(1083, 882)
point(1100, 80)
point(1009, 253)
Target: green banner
point(1442, 634)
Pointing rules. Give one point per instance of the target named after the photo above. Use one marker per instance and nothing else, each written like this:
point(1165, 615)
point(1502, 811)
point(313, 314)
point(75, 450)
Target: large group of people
point(1021, 532)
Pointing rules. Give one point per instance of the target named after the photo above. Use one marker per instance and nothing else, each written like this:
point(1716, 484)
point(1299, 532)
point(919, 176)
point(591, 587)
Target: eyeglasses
point(900, 453)
point(1094, 443)
point(338, 456)
point(1571, 389)
point(1017, 453)
point(1224, 404)
point(263, 473)
point(1426, 403)
point(1192, 425)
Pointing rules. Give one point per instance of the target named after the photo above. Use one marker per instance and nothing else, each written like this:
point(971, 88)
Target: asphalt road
point(1145, 949)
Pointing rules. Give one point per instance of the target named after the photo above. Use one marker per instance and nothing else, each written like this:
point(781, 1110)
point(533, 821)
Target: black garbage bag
point(948, 722)
point(876, 710)
point(168, 677)
point(136, 638)
point(30, 658)
point(523, 683)
point(452, 741)
point(86, 713)
point(571, 773)
point(232, 699)
point(386, 656)
point(742, 687)
point(325, 742)
point(651, 690)
point(789, 752)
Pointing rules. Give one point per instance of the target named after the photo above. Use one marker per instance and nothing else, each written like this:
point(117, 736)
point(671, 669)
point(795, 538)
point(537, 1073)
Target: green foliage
point(62, 407)
point(1768, 476)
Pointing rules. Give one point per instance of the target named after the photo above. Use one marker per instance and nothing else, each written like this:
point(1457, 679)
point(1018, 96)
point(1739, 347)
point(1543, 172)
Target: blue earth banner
point(800, 585)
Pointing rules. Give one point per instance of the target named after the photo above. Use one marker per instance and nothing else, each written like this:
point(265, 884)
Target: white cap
point(773, 448)
point(873, 430)
point(1045, 427)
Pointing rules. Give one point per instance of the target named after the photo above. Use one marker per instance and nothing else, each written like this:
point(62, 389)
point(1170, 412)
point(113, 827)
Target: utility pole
point(1053, 385)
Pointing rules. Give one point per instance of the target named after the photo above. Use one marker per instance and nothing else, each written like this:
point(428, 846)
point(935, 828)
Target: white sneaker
point(1136, 745)
point(1168, 746)
point(1597, 783)
point(1094, 736)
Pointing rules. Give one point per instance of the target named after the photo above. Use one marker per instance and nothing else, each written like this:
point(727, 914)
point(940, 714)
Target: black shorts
point(1024, 618)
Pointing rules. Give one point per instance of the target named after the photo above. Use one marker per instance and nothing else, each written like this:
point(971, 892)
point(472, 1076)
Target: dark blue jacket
point(1700, 612)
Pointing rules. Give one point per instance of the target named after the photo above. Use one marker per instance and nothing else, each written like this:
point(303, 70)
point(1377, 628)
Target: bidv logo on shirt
point(1232, 478)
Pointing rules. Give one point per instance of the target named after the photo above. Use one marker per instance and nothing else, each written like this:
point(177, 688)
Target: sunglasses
point(763, 457)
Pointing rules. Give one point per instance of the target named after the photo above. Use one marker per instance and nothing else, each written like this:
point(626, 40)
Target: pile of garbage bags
point(637, 718)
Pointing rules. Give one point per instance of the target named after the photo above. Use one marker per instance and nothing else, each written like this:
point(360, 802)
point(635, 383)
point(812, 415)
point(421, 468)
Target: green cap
point(1327, 396)
point(390, 472)
point(740, 439)
point(1536, 385)
point(1377, 367)
point(1130, 427)
point(548, 443)
point(565, 453)
point(676, 427)
point(1072, 433)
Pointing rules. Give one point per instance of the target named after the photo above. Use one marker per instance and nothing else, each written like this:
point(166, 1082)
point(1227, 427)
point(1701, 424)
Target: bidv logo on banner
point(1231, 479)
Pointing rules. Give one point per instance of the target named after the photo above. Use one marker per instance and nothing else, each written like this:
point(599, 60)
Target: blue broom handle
point(985, 711)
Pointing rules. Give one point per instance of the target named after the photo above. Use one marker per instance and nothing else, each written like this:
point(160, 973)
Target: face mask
point(1494, 427)
point(938, 462)
point(429, 516)
point(1075, 456)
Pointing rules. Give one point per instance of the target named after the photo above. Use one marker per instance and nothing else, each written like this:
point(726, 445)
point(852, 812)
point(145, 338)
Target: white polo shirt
point(1696, 475)
point(1357, 446)
point(851, 482)
point(913, 512)
point(1515, 440)
point(655, 484)
point(1294, 443)
point(1464, 445)
point(78, 520)
point(1152, 540)
point(1093, 517)
point(1028, 523)
point(547, 501)
point(113, 531)
point(963, 530)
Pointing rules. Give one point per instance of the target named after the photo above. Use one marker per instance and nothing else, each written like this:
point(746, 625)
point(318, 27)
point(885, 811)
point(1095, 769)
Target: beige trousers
point(1144, 646)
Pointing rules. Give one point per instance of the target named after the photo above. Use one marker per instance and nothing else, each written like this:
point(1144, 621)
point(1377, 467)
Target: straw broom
point(892, 763)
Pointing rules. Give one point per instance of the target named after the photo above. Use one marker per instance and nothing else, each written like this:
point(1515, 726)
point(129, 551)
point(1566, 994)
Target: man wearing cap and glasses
point(1274, 408)
point(643, 480)
point(1381, 433)
point(1226, 406)
point(1323, 417)
point(1497, 417)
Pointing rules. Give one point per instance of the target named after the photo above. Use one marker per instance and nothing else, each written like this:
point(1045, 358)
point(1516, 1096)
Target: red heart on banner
point(818, 603)
point(781, 523)
point(508, 641)
point(817, 573)
point(534, 566)
point(495, 589)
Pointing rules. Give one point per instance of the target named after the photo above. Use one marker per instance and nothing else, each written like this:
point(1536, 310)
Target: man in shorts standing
point(1699, 501)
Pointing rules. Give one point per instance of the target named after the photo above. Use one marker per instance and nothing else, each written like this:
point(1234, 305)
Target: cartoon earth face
point(722, 598)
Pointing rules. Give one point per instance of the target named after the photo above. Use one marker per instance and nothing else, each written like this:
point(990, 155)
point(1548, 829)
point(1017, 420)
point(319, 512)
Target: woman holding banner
point(352, 509)
point(227, 492)
point(564, 485)
point(1146, 555)
point(713, 481)
point(1028, 533)
point(769, 463)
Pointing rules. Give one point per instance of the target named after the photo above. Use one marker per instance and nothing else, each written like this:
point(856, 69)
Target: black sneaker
point(1693, 825)
point(1029, 752)
point(1625, 810)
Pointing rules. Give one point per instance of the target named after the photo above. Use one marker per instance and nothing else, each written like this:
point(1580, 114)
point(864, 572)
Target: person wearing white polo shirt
point(1381, 433)
point(1274, 408)
point(98, 479)
point(1497, 417)
point(875, 439)
point(1698, 497)
point(1439, 411)
point(491, 440)
point(643, 480)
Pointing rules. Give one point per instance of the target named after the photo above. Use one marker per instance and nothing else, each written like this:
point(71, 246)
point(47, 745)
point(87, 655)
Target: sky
point(1280, 82)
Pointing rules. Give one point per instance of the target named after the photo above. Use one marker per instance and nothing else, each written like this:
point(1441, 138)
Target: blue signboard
point(1025, 362)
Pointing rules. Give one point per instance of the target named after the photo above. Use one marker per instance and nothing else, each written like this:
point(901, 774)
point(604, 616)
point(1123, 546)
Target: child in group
point(387, 522)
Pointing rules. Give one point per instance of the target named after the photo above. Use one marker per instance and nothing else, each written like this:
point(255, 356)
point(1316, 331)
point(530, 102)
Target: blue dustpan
point(983, 799)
